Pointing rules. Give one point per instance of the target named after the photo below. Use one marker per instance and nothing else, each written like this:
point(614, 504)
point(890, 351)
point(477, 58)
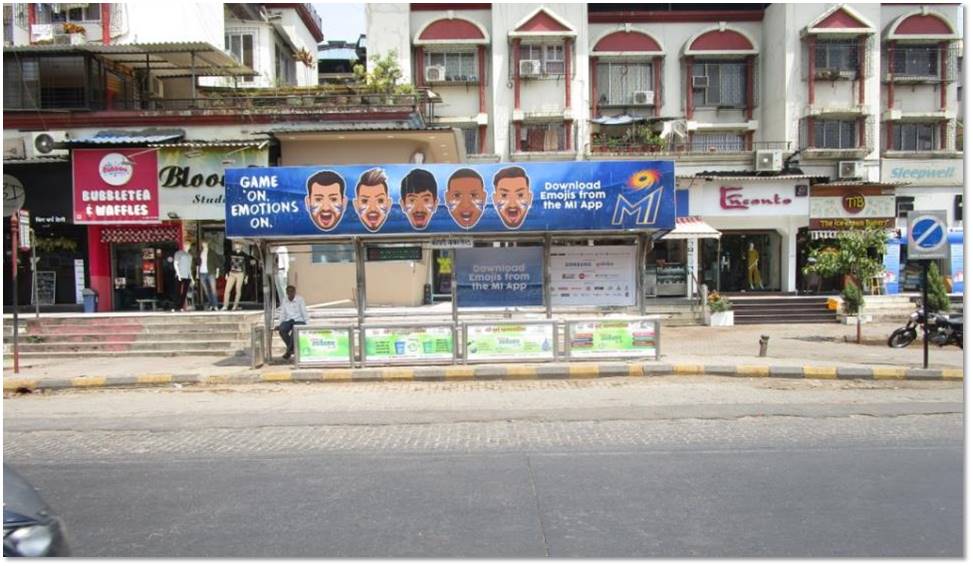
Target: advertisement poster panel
point(500, 277)
point(115, 186)
point(893, 251)
point(406, 199)
point(956, 263)
point(612, 339)
point(510, 341)
point(191, 181)
point(402, 344)
point(323, 346)
point(600, 276)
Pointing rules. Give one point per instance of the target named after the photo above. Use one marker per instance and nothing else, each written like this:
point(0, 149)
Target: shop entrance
point(144, 271)
point(442, 274)
point(742, 261)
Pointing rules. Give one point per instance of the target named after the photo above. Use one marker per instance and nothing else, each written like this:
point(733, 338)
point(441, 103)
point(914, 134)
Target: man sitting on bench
point(292, 311)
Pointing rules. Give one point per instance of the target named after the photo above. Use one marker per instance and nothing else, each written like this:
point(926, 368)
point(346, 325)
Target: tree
point(938, 298)
point(384, 76)
point(859, 254)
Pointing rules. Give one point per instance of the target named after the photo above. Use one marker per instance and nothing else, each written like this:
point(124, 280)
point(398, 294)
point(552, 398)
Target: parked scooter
point(944, 330)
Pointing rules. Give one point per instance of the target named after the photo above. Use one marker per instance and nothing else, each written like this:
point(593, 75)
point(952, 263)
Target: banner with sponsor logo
point(115, 186)
point(593, 276)
point(405, 344)
point(324, 346)
point(528, 341)
point(191, 180)
point(500, 277)
point(449, 199)
point(612, 338)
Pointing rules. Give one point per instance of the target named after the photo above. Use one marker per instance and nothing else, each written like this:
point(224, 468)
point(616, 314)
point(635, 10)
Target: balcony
point(837, 137)
point(921, 65)
point(552, 140)
point(606, 146)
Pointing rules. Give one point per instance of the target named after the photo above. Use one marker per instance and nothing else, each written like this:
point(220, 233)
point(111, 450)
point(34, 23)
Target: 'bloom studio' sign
point(115, 186)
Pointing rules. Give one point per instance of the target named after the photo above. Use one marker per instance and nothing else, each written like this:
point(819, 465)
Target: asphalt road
point(627, 471)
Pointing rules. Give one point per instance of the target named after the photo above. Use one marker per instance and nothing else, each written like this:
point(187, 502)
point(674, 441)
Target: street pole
point(15, 241)
point(925, 314)
point(33, 275)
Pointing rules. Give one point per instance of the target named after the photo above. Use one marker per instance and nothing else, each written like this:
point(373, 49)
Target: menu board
point(505, 341)
point(612, 339)
point(323, 346)
point(594, 276)
point(412, 343)
point(46, 286)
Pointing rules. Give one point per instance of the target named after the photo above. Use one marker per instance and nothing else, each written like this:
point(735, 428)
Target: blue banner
point(956, 261)
point(892, 251)
point(266, 202)
point(500, 277)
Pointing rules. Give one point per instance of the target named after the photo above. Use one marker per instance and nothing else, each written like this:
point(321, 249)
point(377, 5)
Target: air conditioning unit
point(701, 81)
point(530, 67)
point(769, 160)
point(644, 97)
point(42, 144)
point(851, 169)
point(158, 90)
point(435, 73)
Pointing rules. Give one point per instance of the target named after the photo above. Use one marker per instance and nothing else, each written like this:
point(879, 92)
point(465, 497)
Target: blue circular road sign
point(928, 232)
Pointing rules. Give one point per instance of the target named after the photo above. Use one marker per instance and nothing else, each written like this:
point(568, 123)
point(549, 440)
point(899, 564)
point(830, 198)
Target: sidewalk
point(805, 351)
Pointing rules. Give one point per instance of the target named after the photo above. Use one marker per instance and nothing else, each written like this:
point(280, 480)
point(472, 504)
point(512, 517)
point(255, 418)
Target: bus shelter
point(539, 238)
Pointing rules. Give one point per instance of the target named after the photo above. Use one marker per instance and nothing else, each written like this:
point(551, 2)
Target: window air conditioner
point(42, 144)
point(435, 73)
point(644, 97)
point(701, 81)
point(769, 160)
point(851, 169)
point(530, 67)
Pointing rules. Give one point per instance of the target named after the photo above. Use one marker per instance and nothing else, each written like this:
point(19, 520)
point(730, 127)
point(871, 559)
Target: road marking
point(753, 371)
point(459, 373)
point(687, 369)
point(583, 371)
point(521, 372)
point(14, 384)
point(888, 373)
point(150, 379)
point(953, 374)
point(276, 376)
point(398, 374)
point(88, 382)
point(635, 370)
point(811, 372)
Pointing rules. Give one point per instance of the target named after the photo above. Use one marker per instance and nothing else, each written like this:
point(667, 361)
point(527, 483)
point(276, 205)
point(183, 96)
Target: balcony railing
point(542, 137)
point(921, 65)
point(613, 147)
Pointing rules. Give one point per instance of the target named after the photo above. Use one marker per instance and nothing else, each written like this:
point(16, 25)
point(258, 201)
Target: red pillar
point(593, 79)
point(31, 20)
point(516, 136)
point(99, 268)
point(943, 67)
point(517, 74)
point(420, 67)
point(889, 134)
point(568, 138)
point(861, 70)
point(481, 66)
point(657, 85)
point(689, 88)
point(891, 85)
point(810, 70)
point(943, 130)
point(106, 24)
point(483, 137)
point(809, 124)
point(750, 90)
point(748, 139)
point(567, 74)
point(861, 132)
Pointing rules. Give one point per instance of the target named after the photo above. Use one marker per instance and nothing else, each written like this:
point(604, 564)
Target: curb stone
point(508, 372)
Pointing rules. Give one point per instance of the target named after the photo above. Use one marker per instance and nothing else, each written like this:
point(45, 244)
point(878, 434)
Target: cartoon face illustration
point(419, 198)
point(372, 202)
point(465, 198)
point(326, 200)
point(512, 196)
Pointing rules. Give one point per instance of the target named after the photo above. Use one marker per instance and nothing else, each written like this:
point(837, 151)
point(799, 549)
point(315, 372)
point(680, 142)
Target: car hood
point(20, 499)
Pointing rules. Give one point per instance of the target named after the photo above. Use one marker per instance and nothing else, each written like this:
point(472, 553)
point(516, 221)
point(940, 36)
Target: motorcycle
point(944, 330)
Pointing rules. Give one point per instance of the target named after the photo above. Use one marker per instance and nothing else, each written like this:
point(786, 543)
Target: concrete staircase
point(780, 309)
point(889, 308)
point(170, 334)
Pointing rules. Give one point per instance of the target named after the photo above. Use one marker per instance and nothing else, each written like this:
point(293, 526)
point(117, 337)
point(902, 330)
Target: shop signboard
point(608, 338)
point(893, 251)
point(324, 346)
point(534, 341)
point(747, 199)
point(191, 179)
point(851, 210)
point(599, 276)
point(499, 277)
point(393, 253)
point(417, 200)
point(115, 186)
point(407, 343)
point(923, 173)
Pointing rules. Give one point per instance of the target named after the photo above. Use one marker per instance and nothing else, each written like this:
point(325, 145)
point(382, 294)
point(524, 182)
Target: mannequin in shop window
point(236, 275)
point(754, 280)
point(280, 277)
point(183, 263)
point(209, 270)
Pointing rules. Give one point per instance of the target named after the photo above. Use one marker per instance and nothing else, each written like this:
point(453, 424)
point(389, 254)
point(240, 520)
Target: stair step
point(86, 347)
point(94, 338)
point(233, 353)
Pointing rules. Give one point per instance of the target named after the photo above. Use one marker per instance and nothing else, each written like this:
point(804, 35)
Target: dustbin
point(90, 299)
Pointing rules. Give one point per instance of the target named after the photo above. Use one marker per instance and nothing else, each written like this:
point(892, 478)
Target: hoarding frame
point(569, 354)
point(364, 358)
point(301, 328)
point(553, 323)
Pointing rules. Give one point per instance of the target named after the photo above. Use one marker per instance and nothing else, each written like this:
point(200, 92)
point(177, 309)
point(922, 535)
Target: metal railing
point(680, 148)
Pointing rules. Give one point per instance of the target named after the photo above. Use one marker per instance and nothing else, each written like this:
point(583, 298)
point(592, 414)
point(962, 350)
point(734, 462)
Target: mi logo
point(645, 211)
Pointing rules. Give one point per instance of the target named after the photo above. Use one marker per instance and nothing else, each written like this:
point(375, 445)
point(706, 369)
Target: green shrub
point(853, 299)
point(938, 298)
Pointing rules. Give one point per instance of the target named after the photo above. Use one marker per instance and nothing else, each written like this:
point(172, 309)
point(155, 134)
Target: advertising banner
point(324, 346)
point(919, 173)
point(528, 341)
point(409, 344)
point(852, 211)
point(600, 276)
point(759, 198)
point(449, 199)
point(500, 277)
point(956, 261)
point(893, 251)
point(191, 180)
point(115, 186)
point(612, 339)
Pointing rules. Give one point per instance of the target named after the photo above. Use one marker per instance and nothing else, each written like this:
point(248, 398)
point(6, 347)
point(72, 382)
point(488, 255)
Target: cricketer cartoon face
point(372, 203)
point(326, 204)
point(512, 199)
point(419, 208)
point(466, 199)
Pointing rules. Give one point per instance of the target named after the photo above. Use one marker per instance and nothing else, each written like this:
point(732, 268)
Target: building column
point(568, 138)
point(861, 70)
point(891, 87)
point(750, 88)
point(481, 67)
point(567, 74)
point(106, 24)
point(31, 20)
point(689, 88)
point(943, 68)
point(99, 268)
point(789, 261)
point(657, 85)
point(483, 137)
point(516, 50)
point(593, 79)
point(420, 67)
point(810, 70)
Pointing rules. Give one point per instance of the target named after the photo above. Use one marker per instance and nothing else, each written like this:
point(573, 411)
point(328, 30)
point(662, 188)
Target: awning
point(35, 160)
point(622, 120)
point(122, 137)
point(140, 234)
point(690, 228)
point(259, 144)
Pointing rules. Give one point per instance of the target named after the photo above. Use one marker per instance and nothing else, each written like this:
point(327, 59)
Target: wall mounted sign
point(13, 194)
point(115, 186)
point(856, 210)
point(449, 199)
point(593, 275)
point(191, 180)
point(759, 198)
point(923, 173)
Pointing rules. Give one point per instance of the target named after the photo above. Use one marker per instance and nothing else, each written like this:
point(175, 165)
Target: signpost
point(927, 241)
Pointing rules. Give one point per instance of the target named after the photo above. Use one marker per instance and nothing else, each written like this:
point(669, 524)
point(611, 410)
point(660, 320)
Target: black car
point(29, 526)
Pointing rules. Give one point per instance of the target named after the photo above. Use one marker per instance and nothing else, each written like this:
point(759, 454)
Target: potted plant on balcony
point(304, 56)
point(720, 310)
point(75, 33)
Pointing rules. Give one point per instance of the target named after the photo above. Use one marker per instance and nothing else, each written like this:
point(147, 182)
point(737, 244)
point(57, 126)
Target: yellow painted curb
point(215, 380)
point(520, 372)
point(459, 373)
point(337, 375)
point(635, 370)
point(953, 374)
point(888, 373)
point(88, 382)
point(14, 384)
point(149, 379)
point(687, 369)
point(583, 371)
point(753, 371)
point(277, 376)
point(811, 372)
point(398, 374)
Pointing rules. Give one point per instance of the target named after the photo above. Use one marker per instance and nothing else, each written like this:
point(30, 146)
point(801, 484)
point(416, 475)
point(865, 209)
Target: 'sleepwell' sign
point(406, 199)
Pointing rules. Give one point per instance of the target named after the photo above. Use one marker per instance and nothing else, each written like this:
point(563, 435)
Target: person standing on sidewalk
point(292, 311)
